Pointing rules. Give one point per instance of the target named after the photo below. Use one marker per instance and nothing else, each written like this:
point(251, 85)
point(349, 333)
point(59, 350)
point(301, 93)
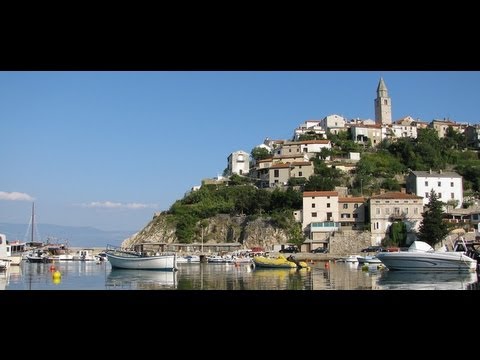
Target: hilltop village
point(338, 184)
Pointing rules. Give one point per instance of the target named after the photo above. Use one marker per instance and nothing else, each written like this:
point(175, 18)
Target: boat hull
point(160, 262)
point(418, 261)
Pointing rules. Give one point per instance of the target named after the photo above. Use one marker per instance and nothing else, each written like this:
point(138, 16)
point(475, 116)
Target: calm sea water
point(334, 276)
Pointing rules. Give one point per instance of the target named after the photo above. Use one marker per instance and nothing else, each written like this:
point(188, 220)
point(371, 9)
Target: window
point(314, 214)
point(355, 216)
point(439, 184)
point(426, 195)
point(415, 211)
point(300, 173)
point(328, 205)
point(355, 206)
point(439, 195)
point(378, 211)
point(452, 196)
point(329, 216)
point(451, 184)
point(313, 205)
point(426, 183)
point(276, 173)
point(385, 102)
point(387, 211)
point(345, 206)
point(313, 197)
point(405, 210)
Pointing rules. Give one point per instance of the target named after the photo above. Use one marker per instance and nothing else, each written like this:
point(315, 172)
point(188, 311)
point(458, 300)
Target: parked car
point(374, 249)
point(320, 250)
point(290, 249)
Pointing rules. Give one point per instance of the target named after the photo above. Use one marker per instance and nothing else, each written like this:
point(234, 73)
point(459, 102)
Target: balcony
point(324, 226)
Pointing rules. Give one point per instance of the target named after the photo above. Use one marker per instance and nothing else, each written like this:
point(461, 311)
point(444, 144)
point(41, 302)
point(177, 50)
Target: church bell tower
point(383, 105)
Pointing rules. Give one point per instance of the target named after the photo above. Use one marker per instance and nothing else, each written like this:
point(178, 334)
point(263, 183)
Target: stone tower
point(383, 105)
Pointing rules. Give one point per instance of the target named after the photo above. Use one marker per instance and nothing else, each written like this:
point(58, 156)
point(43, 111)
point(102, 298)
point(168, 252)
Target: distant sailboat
point(32, 229)
point(37, 254)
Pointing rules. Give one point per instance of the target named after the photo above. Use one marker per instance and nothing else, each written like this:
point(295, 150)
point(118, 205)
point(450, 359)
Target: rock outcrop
point(221, 228)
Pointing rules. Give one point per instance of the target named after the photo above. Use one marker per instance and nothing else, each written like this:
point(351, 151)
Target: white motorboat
point(125, 259)
point(421, 257)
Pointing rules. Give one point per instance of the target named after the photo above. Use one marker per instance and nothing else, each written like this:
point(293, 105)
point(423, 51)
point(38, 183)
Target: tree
point(432, 228)
point(260, 153)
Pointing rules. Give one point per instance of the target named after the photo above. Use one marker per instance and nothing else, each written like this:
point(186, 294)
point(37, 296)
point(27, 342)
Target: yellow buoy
point(57, 275)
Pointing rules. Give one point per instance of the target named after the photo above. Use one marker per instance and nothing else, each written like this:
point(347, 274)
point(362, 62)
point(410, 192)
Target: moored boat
point(421, 257)
point(125, 259)
point(280, 262)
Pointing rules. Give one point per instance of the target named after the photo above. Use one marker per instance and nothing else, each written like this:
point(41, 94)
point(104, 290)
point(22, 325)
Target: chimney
point(403, 190)
point(440, 171)
point(430, 171)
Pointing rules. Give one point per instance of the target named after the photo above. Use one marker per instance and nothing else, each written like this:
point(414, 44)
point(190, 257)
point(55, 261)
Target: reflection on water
point(406, 280)
point(77, 275)
point(141, 279)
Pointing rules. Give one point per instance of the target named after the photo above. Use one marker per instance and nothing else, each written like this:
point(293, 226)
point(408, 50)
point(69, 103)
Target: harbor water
point(81, 275)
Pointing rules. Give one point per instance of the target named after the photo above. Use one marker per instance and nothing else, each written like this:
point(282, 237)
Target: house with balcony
point(390, 207)
point(363, 134)
point(351, 212)
point(320, 214)
point(310, 127)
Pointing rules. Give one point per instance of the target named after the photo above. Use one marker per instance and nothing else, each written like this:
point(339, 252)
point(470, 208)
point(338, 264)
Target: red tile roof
point(320, 193)
point(396, 195)
point(357, 199)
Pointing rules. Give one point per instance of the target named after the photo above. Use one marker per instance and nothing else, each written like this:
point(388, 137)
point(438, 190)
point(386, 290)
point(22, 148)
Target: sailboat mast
point(33, 219)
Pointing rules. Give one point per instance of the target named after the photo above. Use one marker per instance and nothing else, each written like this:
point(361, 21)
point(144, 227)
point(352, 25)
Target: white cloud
point(117, 205)
point(15, 196)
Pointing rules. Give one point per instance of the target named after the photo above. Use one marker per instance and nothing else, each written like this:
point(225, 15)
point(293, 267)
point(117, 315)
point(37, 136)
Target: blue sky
point(108, 149)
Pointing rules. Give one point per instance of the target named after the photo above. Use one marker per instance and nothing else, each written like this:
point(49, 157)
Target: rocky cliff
point(219, 229)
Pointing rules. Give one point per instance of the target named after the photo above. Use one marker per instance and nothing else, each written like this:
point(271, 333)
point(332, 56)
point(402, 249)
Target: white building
point(309, 127)
point(320, 212)
point(239, 163)
point(447, 185)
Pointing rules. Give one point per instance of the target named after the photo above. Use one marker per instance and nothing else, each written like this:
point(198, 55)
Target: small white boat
point(421, 257)
point(351, 258)
point(218, 259)
point(124, 259)
point(368, 260)
point(188, 259)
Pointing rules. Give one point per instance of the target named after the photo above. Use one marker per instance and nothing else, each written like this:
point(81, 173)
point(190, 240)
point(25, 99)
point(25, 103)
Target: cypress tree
point(432, 228)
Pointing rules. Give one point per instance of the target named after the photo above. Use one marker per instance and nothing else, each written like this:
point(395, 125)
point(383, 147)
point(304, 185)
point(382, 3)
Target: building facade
point(385, 209)
point(447, 185)
point(239, 163)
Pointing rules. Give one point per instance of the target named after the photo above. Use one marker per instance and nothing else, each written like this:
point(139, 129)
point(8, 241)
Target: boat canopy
point(420, 246)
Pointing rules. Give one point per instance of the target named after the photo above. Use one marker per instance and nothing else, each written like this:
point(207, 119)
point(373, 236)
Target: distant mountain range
point(77, 236)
